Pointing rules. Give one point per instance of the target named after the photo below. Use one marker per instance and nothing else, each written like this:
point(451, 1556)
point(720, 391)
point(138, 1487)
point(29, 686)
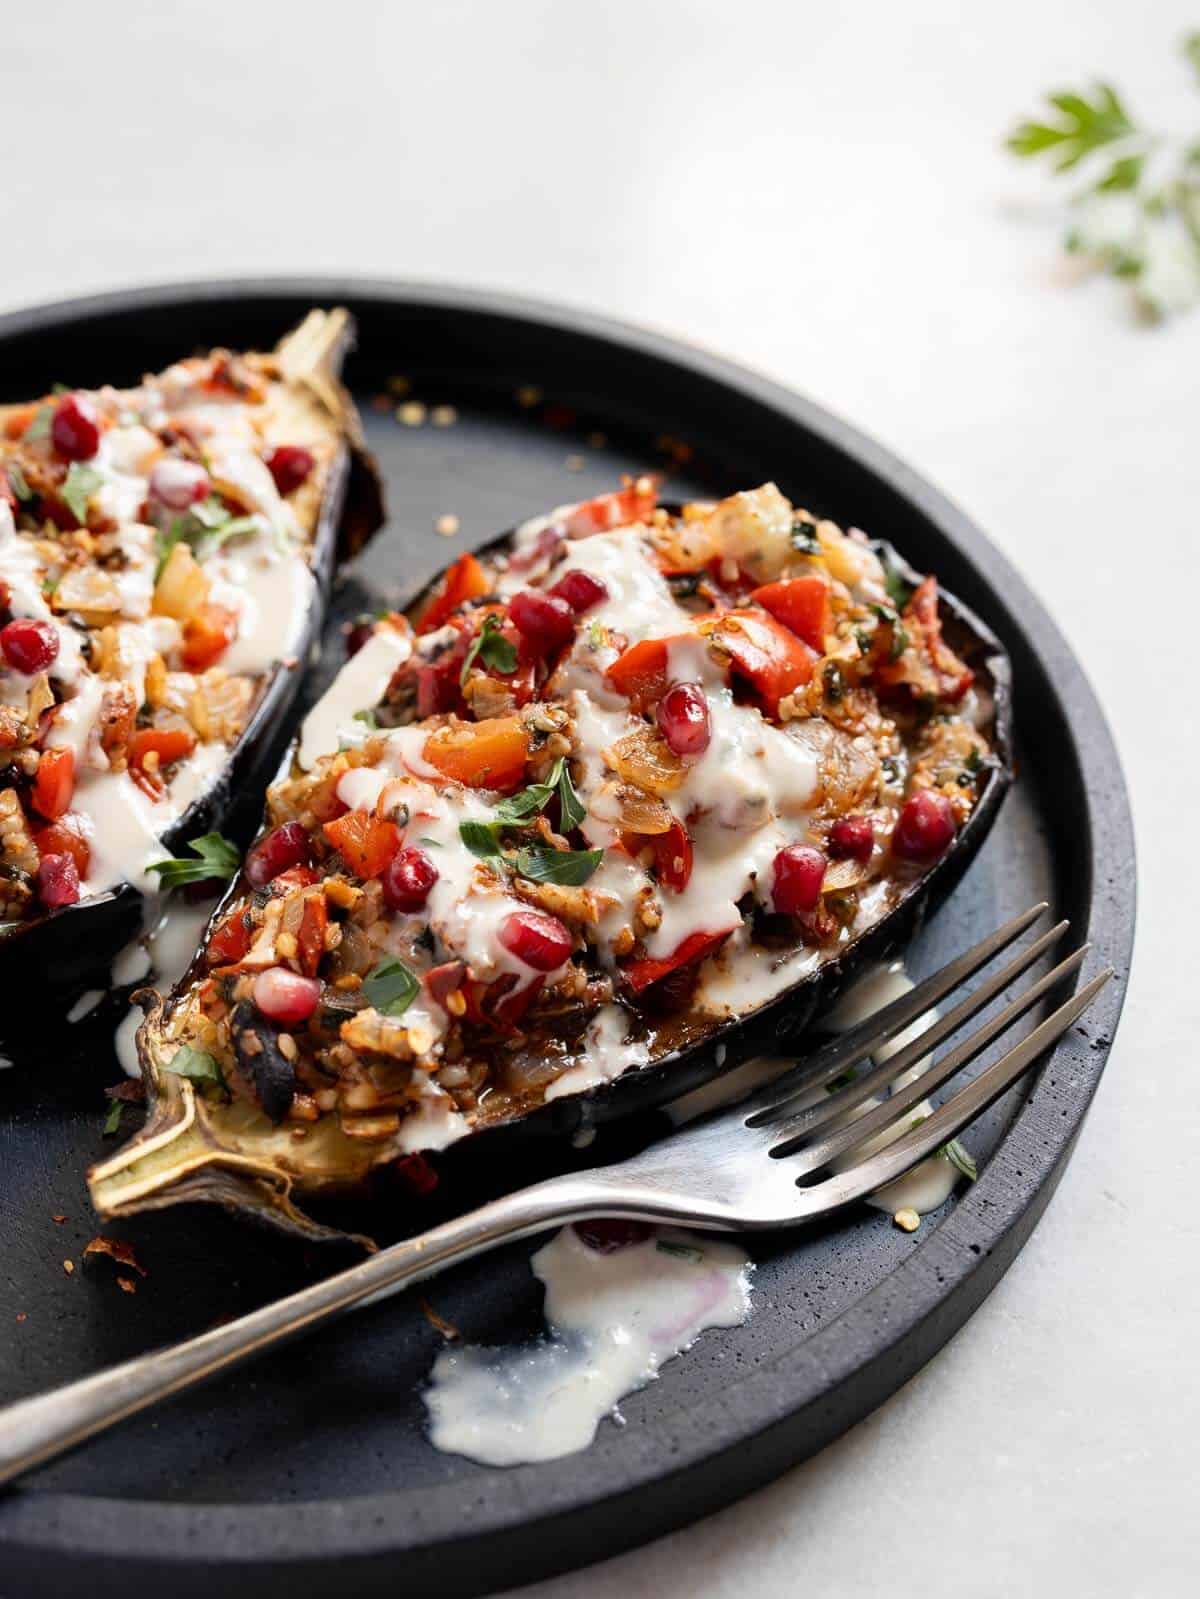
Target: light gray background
point(817, 190)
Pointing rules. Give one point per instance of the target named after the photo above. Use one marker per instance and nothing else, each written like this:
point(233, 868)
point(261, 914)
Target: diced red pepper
point(54, 785)
point(634, 503)
point(767, 655)
point(229, 940)
point(66, 837)
point(801, 603)
point(366, 843)
point(640, 974)
point(153, 748)
point(294, 877)
point(929, 666)
point(444, 980)
point(465, 580)
point(640, 672)
point(310, 940)
point(488, 754)
point(206, 636)
point(672, 854)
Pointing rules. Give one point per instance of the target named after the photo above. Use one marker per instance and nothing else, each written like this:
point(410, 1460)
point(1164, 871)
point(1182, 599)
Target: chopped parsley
point(391, 986)
point(804, 536)
point(16, 477)
point(961, 1158)
point(112, 1121)
point(898, 590)
point(80, 484)
point(216, 859)
point(209, 525)
point(900, 642)
point(492, 648)
point(481, 838)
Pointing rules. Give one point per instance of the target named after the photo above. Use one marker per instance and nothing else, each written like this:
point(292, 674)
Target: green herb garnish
point(112, 1121)
point(492, 648)
point(835, 684)
point(541, 864)
point(898, 589)
point(368, 719)
point(668, 1246)
point(521, 807)
point(197, 1066)
point(804, 536)
point(20, 485)
point(1137, 217)
point(900, 642)
point(80, 484)
point(205, 527)
point(217, 858)
point(961, 1158)
point(391, 987)
point(481, 838)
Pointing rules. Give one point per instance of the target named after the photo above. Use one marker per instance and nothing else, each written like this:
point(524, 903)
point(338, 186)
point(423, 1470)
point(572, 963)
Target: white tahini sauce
point(359, 686)
point(613, 1321)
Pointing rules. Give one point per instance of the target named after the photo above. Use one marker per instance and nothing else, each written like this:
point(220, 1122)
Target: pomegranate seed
point(57, 881)
point(580, 590)
point(75, 430)
point(852, 838)
point(683, 719)
point(545, 620)
point(417, 1175)
point(925, 827)
point(285, 846)
point(798, 874)
point(290, 465)
point(607, 1234)
point(285, 996)
point(29, 646)
point(539, 941)
point(407, 879)
point(177, 483)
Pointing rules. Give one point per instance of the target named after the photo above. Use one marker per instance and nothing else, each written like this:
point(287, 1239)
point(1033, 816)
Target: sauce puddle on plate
point(614, 1318)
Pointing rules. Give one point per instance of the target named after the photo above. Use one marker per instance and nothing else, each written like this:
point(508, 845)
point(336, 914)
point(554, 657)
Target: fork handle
point(36, 1430)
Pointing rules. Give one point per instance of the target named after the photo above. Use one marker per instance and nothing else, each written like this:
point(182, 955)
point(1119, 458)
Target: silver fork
point(737, 1170)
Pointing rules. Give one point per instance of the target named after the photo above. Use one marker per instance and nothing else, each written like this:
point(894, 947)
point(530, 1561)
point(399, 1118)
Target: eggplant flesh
point(60, 954)
point(197, 1147)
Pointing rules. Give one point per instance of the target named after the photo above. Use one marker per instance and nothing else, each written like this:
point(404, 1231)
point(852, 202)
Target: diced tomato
point(153, 748)
point(640, 672)
point(487, 754)
point(66, 837)
point(206, 636)
point(310, 940)
point(769, 656)
point(229, 941)
point(801, 603)
point(634, 503)
point(54, 784)
point(672, 854)
point(640, 974)
point(366, 843)
point(465, 580)
point(493, 1005)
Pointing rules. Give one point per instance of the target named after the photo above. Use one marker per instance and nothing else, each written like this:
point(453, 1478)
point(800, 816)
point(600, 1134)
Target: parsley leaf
point(960, 1157)
point(197, 1066)
point(391, 986)
point(217, 859)
point(368, 719)
point(205, 527)
point(804, 536)
point(571, 808)
point(1083, 127)
point(16, 477)
point(80, 484)
point(492, 648)
point(112, 1121)
point(898, 590)
point(541, 864)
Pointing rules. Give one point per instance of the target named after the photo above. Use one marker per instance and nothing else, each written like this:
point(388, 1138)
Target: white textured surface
point(817, 191)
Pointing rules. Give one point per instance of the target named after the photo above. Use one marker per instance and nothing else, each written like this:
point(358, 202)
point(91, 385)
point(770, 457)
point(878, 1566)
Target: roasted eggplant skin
point(60, 954)
point(254, 1182)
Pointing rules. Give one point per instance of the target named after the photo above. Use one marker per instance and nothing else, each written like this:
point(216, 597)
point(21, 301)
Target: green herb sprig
point(205, 527)
point(197, 1066)
point(391, 986)
point(80, 484)
point(1137, 215)
point(216, 858)
point(491, 647)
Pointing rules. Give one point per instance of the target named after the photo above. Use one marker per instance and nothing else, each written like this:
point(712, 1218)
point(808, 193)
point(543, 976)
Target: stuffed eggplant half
point(617, 803)
point(165, 553)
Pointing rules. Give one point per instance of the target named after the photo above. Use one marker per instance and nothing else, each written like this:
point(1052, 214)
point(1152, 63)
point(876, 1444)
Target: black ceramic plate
point(311, 1472)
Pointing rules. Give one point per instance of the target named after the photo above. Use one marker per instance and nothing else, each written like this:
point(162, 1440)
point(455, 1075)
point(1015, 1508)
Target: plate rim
point(879, 1341)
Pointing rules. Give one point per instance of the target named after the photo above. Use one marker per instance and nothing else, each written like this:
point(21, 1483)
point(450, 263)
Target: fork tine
point(813, 1117)
point(862, 1040)
point(950, 1118)
point(891, 1110)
